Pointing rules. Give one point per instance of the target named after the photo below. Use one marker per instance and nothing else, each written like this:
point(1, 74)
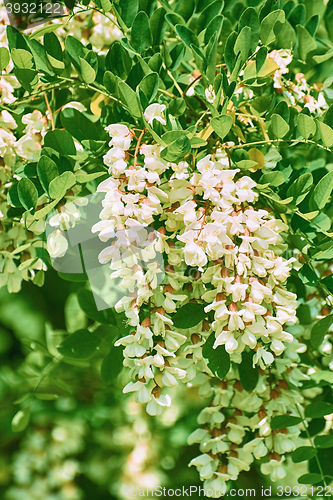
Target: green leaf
point(21, 420)
point(211, 52)
point(222, 125)
point(59, 186)
point(324, 441)
point(322, 191)
point(110, 82)
point(308, 275)
point(158, 25)
point(141, 38)
point(229, 54)
point(300, 187)
point(319, 330)
point(74, 277)
point(261, 57)
point(83, 177)
point(4, 58)
point(47, 170)
point(27, 193)
point(13, 197)
point(128, 97)
point(243, 43)
point(310, 479)
point(57, 66)
point(149, 86)
point(270, 26)
point(61, 141)
point(248, 375)
point(187, 35)
point(22, 58)
point(46, 397)
point(326, 133)
point(78, 125)
point(28, 78)
point(189, 315)
point(215, 26)
point(279, 126)
point(80, 345)
point(129, 9)
point(306, 43)
point(40, 214)
point(87, 72)
point(250, 18)
point(118, 61)
point(112, 365)
point(282, 421)
point(75, 50)
point(40, 57)
point(328, 282)
point(306, 125)
point(177, 150)
point(318, 409)
point(49, 28)
point(106, 5)
point(88, 305)
point(218, 359)
point(212, 10)
point(52, 46)
point(303, 453)
point(275, 178)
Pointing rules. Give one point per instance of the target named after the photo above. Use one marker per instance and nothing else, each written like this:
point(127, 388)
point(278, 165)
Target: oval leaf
point(21, 420)
point(58, 187)
point(282, 421)
point(248, 375)
point(303, 453)
point(80, 345)
point(320, 329)
point(222, 125)
point(279, 126)
point(189, 315)
point(141, 38)
point(318, 409)
point(218, 359)
point(27, 193)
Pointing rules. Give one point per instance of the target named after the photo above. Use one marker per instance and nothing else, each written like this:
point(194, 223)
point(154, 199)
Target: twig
point(49, 110)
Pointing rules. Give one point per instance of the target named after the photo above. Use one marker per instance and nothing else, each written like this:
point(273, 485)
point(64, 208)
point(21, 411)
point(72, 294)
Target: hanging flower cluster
point(208, 225)
point(18, 255)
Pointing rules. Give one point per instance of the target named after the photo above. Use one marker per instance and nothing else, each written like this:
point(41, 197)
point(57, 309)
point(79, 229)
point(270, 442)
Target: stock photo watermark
point(301, 491)
point(24, 14)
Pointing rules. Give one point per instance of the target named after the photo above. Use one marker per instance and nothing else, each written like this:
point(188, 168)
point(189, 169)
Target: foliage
point(247, 83)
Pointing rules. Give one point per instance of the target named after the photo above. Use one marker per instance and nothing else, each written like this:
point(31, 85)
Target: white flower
point(57, 244)
point(210, 94)
point(154, 407)
point(121, 137)
point(155, 112)
point(263, 357)
point(274, 469)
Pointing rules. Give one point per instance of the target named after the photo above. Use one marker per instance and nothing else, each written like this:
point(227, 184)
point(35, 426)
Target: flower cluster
point(18, 247)
point(208, 224)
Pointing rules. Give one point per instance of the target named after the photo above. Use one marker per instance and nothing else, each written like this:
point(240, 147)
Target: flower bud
point(205, 326)
point(195, 338)
point(156, 391)
point(238, 386)
point(146, 323)
point(274, 456)
point(169, 289)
